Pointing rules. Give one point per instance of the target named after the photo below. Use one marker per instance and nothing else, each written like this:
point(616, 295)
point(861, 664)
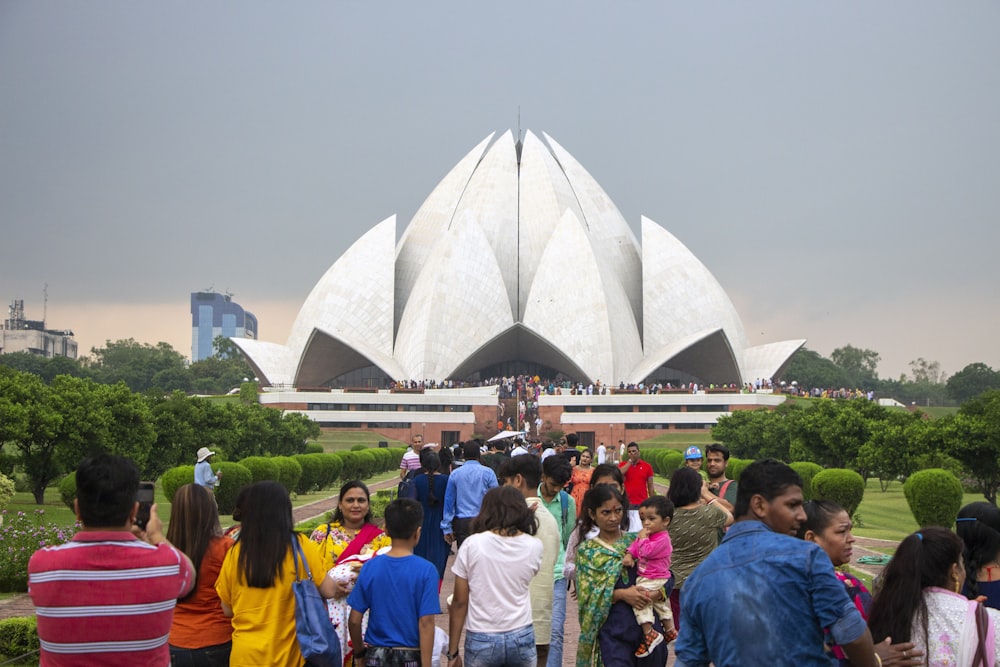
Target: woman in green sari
point(609, 634)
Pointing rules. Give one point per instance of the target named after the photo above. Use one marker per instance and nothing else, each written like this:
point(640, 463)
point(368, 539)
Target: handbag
point(317, 640)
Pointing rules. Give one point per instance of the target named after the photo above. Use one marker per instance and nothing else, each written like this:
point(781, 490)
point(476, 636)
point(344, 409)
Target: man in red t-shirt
point(638, 476)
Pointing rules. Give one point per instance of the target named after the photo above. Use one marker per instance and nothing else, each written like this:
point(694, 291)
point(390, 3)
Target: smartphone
point(145, 499)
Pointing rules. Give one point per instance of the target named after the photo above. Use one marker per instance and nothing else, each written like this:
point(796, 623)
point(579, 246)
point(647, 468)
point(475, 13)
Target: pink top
point(653, 555)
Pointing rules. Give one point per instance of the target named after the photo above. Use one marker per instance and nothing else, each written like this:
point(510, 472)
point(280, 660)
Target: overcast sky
point(835, 165)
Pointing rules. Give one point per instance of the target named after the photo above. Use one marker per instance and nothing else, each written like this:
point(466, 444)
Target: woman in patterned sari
point(609, 634)
point(345, 542)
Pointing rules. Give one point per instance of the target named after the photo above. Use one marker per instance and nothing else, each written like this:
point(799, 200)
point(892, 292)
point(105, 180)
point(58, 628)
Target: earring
point(958, 587)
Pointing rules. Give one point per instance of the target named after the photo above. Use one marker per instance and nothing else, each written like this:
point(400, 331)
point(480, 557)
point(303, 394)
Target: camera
point(145, 498)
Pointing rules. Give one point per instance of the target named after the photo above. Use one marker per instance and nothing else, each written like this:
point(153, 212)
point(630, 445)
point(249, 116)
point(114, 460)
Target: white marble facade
point(501, 246)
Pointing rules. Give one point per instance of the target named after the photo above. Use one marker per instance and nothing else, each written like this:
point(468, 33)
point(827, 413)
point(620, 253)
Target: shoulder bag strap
point(297, 555)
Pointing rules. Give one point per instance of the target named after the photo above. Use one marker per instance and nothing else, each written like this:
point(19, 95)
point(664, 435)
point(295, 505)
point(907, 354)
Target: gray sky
point(835, 165)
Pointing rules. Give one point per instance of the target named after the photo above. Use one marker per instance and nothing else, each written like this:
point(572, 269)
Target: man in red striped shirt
point(107, 597)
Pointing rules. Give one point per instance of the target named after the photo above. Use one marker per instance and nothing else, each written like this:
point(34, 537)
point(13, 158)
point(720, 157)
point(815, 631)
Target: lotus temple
point(517, 263)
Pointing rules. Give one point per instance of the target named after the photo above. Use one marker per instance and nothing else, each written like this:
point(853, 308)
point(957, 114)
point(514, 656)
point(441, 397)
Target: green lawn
point(334, 441)
point(679, 440)
point(886, 515)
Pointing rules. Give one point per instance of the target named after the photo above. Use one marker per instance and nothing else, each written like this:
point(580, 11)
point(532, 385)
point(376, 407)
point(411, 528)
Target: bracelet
point(878, 659)
point(451, 656)
point(711, 501)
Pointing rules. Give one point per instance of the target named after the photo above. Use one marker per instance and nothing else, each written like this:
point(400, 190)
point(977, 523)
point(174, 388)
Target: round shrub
point(369, 463)
point(312, 471)
point(845, 487)
point(807, 470)
point(353, 468)
point(358, 448)
point(262, 468)
point(6, 490)
point(234, 478)
point(735, 468)
point(333, 466)
point(289, 472)
point(175, 478)
point(313, 448)
point(19, 636)
point(670, 461)
point(67, 489)
point(384, 457)
point(934, 496)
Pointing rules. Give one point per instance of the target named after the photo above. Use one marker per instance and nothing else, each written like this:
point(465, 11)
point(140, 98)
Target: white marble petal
point(764, 361)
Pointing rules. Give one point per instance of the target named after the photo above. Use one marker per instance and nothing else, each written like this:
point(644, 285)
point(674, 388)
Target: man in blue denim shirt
point(764, 597)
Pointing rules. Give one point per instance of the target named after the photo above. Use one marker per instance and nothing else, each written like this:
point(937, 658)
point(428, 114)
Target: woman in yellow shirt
point(255, 582)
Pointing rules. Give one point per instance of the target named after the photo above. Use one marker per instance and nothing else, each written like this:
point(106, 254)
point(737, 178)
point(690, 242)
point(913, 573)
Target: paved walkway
point(20, 605)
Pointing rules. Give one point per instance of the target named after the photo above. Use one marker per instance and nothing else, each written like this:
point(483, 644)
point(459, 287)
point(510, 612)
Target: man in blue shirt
point(764, 597)
point(466, 488)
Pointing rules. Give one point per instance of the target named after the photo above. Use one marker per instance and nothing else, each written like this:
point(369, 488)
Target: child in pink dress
point(651, 550)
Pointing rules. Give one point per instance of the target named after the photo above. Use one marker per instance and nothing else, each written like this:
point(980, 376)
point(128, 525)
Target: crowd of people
point(724, 572)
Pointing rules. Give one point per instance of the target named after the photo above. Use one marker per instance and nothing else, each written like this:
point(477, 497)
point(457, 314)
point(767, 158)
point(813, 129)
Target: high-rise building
point(213, 315)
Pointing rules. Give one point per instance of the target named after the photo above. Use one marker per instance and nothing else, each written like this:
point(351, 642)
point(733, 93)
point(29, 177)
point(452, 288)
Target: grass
point(679, 439)
point(335, 441)
point(886, 515)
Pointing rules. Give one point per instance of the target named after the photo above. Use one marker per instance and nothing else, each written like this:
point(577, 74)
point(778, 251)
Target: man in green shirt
point(556, 471)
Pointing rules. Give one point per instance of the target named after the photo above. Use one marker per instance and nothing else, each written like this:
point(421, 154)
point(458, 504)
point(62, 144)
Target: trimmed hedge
point(934, 496)
point(359, 448)
point(843, 486)
point(314, 448)
point(18, 636)
point(234, 477)
point(735, 467)
point(289, 472)
point(67, 489)
point(312, 471)
point(174, 479)
point(807, 471)
point(330, 467)
point(262, 468)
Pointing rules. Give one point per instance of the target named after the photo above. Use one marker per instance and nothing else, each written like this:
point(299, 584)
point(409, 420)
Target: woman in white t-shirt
point(493, 571)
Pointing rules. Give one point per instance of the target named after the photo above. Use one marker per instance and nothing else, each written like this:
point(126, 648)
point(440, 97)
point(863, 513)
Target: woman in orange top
point(581, 478)
point(201, 633)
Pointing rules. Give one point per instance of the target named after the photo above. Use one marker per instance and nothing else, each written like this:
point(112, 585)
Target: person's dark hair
point(768, 478)
point(572, 439)
point(447, 459)
point(662, 505)
point(266, 533)
point(503, 509)
point(592, 500)
point(558, 468)
point(978, 524)
point(431, 464)
point(106, 488)
point(240, 498)
point(685, 487)
point(923, 559)
point(607, 470)
point(471, 450)
point(338, 516)
point(527, 466)
point(403, 517)
point(719, 448)
point(194, 522)
point(819, 515)
point(631, 445)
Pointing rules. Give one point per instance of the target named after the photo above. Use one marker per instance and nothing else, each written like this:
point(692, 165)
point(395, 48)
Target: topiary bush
point(670, 461)
point(312, 472)
point(67, 489)
point(174, 479)
point(843, 486)
point(18, 637)
point(807, 471)
point(6, 490)
point(314, 448)
point(332, 467)
point(735, 467)
point(368, 462)
point(234, 478)
point(289, 472)
point(261, 468)
point(934, 496)
point(353, 466)
point(359, 448)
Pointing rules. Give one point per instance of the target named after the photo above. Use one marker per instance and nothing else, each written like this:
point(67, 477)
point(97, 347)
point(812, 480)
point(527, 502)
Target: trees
point(972, 381)
point(973, 437)
point(139, 365)
point(860, 364)
point(810, 369)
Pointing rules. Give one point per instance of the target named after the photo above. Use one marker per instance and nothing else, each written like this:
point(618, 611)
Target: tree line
point(144, 367)
point(857, 368)
point(46, 428)
point(887, 443)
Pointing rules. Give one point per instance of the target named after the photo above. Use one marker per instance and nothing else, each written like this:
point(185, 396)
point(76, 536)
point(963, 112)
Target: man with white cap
point(203, 475)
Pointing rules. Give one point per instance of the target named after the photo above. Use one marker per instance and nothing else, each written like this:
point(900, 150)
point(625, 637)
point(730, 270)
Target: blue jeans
point(501, 649)
point(558, 621)
point(208, 656)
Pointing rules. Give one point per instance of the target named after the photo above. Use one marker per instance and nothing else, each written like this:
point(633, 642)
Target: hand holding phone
point(145, 498)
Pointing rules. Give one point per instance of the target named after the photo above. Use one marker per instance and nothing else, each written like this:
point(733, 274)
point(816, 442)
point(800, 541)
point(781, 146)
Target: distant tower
point(214, 314)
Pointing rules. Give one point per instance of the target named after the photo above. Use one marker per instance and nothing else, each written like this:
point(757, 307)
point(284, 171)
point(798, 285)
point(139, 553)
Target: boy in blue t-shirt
point(400, 592)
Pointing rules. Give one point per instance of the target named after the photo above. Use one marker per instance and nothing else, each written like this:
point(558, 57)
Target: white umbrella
point(503, 435)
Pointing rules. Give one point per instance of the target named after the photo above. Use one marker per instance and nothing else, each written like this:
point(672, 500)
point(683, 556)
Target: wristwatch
point(451, 656)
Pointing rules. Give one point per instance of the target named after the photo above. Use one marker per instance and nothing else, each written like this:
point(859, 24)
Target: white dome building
point(517, 262)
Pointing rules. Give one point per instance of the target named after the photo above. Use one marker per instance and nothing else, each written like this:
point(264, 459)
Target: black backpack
point(407, 488)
